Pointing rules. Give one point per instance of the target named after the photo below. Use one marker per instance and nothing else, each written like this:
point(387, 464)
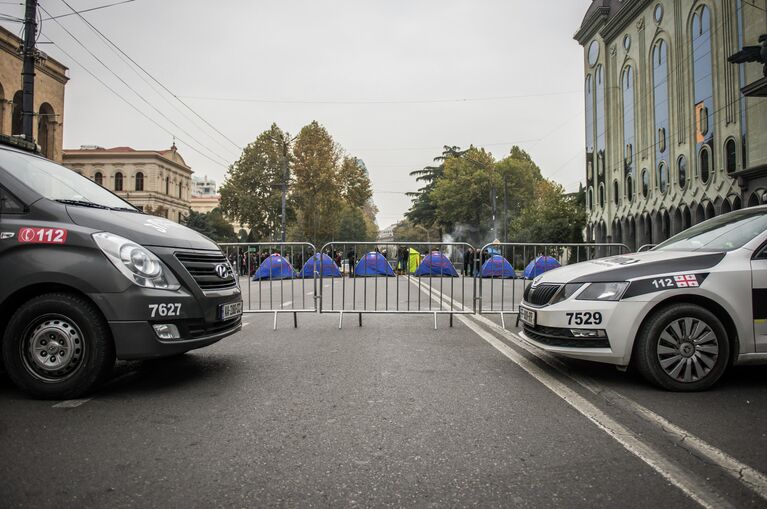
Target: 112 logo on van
point(28, 235)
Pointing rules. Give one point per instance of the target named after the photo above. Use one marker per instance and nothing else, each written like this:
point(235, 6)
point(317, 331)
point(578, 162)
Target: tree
point(552, 216)
point(354, 226)
point(252, 192)
point(423, 211)
point(212, 224)
point(462, 194)
point(317, 187)
point(355, 183)
point(407, 231)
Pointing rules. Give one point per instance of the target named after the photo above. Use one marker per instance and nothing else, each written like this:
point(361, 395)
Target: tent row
point(374, 264)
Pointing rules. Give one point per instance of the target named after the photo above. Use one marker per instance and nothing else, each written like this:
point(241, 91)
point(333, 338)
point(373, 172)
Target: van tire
point(695, 362)
point(77, 336)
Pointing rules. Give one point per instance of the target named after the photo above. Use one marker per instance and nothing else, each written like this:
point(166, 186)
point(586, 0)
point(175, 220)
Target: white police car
point(682, 313)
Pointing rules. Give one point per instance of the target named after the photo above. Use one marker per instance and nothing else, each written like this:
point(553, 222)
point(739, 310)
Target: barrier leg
point(295, 320)
point(275, 320)
point(503, 322)
point(360, 315)
point(435, 320)
point(340, 320)
point(451, 319)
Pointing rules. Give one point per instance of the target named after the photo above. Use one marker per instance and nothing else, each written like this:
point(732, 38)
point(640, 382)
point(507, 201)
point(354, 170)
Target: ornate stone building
point(50, 79)
point(671, 139)
point(158, 182)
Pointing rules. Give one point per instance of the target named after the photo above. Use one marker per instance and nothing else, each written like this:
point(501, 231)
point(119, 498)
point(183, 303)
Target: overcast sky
point(387, 78)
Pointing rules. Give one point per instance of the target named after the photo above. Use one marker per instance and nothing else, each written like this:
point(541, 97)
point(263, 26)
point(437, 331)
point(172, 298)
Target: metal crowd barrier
point(502, 295)
point(281, 287)
point(382, 277)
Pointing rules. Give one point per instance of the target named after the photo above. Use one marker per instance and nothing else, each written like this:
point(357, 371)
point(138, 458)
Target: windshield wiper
point(124, 209)
point(82, 203)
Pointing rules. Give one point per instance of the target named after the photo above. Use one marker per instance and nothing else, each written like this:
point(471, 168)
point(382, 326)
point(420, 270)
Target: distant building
point(158, 182)
point(203, 187)
point(50, 79)
point(675, 133)
point(387, 234)
point(204, 204)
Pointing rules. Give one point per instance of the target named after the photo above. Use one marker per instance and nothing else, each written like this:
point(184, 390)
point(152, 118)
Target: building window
point(601, 196)
point(590, 198)
point(628, 122)
point(645, 183)
point(661, 99)
point(627, 42)
point(703, 88)
point(139, 181)
point(704, 163)
point(629, 188)
point(593, 53)
point(681, 169)
point(600, 120)
point(616, 192)
point(98, 178)
point(167, 185)
point(658, 13)
point(118, 181)
point(179, 192)
point(589, 128)
point(662, 177)
point(730, 156)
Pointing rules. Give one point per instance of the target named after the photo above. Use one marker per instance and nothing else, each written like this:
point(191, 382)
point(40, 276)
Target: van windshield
point(58, 183)
point(723, 233)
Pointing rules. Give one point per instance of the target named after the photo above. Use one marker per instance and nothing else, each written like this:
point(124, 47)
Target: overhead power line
point(152, 77)
point(89, 10)
point(133, 106)
point(380, 101)
point(139, 95)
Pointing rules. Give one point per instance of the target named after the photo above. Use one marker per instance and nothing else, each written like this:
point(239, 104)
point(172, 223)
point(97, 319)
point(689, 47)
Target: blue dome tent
point(497, 266)
point(436, 264)
point(540, 265)
point(317, 262)
point(274, 267)
point(373, 264)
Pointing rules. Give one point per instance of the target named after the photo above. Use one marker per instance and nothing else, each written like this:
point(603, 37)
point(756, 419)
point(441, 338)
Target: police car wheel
point(57, 346)
point(683, 347)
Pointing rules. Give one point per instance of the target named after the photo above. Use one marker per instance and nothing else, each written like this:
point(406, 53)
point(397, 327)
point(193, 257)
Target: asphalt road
point(393, 413)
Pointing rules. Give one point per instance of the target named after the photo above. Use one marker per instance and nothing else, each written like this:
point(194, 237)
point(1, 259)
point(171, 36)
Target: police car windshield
point(723, 233)
point(58, 183)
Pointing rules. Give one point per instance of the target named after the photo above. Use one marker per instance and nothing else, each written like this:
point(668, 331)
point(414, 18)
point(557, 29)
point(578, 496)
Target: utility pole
point(29, 55)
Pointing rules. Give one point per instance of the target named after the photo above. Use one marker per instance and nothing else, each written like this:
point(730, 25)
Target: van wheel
point(57, 346)
point(683, 347)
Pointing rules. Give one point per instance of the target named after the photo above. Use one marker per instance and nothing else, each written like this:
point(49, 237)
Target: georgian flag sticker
point(686, 281)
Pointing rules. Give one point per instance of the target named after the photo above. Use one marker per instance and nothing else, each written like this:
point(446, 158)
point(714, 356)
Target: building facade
point(157, 182)
point(50, 80)
point(671, 138)
point(203, 187)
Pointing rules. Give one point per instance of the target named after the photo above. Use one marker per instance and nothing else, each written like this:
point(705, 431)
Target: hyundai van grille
point(540, 295)
point(202, 267)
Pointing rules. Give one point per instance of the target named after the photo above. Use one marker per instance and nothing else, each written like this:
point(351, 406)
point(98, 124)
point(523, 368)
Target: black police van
point(86, 278)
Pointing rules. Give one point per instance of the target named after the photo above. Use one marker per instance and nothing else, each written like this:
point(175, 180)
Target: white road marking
point(309, 293)
point(695, 488)
point(689, 484)
point(288, 303)
point(71, 403)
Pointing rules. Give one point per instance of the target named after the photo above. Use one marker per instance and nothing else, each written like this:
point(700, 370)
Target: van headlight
point(135, 262)
point(603, 291)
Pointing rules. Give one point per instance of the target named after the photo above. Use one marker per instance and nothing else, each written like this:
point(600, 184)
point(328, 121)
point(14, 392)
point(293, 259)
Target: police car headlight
point(566, 292)
point(603, 291)
point(135, 262)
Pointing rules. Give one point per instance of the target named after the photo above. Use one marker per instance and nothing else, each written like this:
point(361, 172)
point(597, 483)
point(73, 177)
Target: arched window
point(630, 188)
point(662, 177)
point(167, 185)
point(704, 163)
point(730, 156)
point(118, 181)
point(139, 181)
point(645, 183)
point(590, 198)
point(600, 120)
point(628, 123)
point(703, 87)
point(602, 196)
point(681, 170)
point(616, 192)
point(46, 123)
point(661, 100)
point(179, 190)
point(98, 178)
point(589, 128)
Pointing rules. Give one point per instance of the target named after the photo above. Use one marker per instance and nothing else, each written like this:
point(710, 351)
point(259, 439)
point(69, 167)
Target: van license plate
point(527, 316)
point(227, 311)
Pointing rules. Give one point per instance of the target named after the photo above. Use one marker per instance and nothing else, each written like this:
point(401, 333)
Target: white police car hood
point(631, 266)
